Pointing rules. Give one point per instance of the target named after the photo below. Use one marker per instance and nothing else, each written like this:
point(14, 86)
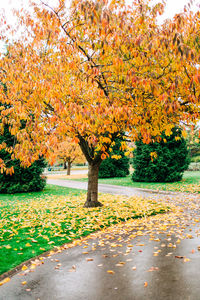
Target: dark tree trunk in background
point(65, 165)
point(69, 168)
point(92, 192)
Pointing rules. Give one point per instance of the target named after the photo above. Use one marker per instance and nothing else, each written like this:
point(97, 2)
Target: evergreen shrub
point(24, 179)
point(161, 162)
point(111, 167)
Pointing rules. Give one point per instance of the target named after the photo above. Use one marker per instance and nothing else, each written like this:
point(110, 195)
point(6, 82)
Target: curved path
point(155, 258)
point(107, 188)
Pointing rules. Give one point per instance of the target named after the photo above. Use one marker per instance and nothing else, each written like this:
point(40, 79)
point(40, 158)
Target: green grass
point(13, 249)
point(190, 183)
point(33, 223)
point(50, 190)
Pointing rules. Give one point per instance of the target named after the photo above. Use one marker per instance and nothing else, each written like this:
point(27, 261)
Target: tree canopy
point(68, 152)
point(97, 69)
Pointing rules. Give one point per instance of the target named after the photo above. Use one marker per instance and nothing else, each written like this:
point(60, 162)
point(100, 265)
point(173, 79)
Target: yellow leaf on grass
point(33, 241)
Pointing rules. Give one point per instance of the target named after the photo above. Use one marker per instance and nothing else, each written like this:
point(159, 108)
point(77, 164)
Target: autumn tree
point(68, 152)
point(97, 69)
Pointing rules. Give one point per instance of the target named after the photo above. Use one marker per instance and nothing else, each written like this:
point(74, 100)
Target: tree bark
point(69, 168)
point(92, 192)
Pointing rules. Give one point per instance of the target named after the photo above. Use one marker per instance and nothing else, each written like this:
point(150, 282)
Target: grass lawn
point(190, 183)
point(36, 222)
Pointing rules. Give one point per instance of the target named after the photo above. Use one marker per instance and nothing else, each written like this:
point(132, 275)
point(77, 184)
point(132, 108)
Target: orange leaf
point(110, 272)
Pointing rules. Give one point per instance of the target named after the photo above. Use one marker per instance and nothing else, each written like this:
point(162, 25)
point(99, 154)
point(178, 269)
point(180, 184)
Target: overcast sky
point(172, 7)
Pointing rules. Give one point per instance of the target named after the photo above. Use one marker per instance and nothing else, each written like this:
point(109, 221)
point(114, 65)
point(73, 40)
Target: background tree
point(163, 161)
point(95, 70)
point(193, 142)
point(117, 164)
point(68, 152)
point(18, 179)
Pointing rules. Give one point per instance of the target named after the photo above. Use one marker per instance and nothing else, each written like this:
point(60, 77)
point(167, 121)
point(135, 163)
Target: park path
point(106, 188)
point(154, 258)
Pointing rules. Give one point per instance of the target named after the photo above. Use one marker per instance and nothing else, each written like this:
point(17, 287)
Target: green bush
point(23, 179)
point(171, 161)
point(111, 167)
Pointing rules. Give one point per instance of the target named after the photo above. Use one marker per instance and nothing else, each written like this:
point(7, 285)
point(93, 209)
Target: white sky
point(172, 7)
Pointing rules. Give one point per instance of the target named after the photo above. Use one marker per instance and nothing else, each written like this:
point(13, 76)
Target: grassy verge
point(190, 183)
point(36, 222)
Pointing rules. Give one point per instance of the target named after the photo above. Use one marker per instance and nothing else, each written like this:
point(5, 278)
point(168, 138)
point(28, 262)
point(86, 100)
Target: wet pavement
point(151, 258)
point(106, 188)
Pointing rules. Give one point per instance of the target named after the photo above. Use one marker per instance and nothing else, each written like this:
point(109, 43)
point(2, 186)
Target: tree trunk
point(65, 165)
point(92, 193)
point(69, 168)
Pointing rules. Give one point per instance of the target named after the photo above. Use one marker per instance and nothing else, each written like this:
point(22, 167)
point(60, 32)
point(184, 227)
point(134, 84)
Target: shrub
point(111, 167)
point(161, 162)
point(23, 179)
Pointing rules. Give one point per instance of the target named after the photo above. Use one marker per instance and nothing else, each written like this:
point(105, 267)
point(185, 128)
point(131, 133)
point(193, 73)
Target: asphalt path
point(154, 258)
point(106, 188)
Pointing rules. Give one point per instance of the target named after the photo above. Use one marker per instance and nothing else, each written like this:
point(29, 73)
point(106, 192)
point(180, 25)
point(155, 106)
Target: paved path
point(106, 188)
point(64, 172)
point(155, 258)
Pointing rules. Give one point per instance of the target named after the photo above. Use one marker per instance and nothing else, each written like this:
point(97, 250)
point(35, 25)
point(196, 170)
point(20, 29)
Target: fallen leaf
point(153, 269)
point(73, 269)
point(24, 282)
point(24, 268)
point(33, 266)
point(145, 284)
point(178, 256)
point(110, 272)
point(34, 241)
point(7, 279)
point(186, 259)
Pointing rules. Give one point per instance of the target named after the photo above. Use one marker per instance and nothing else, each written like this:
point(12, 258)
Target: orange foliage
point(67, 152)
point(95, 70)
